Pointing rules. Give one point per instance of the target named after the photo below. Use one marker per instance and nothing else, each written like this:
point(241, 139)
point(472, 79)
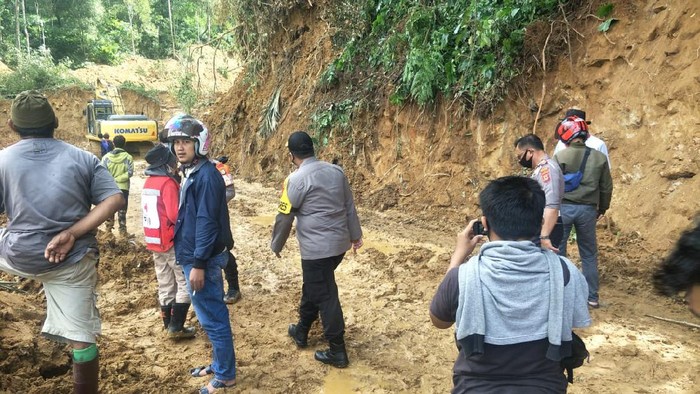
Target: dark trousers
point(319, 294)
point(121, 214)
point(231, 272)
point(556, 235)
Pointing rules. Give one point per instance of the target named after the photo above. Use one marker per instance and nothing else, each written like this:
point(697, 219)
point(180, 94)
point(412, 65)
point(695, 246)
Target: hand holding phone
point(478, 228)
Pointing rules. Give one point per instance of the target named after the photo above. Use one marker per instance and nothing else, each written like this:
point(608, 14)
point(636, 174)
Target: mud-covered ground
point(385, 291)
point(417, 173)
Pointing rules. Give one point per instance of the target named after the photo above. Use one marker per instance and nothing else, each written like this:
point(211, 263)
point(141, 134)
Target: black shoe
point(336, 359)
point(232, 296)
point(299, 335)
point(183, 333)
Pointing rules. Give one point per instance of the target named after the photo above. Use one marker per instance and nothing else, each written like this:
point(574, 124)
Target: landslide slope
point(638, 83)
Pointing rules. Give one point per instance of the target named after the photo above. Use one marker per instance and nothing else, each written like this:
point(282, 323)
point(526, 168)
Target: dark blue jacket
point(202, 230)
point(106, 146)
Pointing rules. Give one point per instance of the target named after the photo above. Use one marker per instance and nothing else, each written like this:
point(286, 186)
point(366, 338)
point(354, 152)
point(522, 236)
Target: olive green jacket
point(596, 185)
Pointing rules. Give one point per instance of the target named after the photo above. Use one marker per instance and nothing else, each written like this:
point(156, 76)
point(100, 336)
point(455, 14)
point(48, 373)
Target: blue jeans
point(212, 313)
point(583, 218)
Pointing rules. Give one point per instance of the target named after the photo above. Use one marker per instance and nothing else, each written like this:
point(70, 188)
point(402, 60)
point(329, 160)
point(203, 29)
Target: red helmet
point(571, 127)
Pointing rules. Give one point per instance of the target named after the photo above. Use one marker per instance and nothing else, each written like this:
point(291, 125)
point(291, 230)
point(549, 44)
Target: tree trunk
point(41, 24)
point(26, 32)
point(19, 42)
point(172, 29)
point(209, 11)
point(130, 13)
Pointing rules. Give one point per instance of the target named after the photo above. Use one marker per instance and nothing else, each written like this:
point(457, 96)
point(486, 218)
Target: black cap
point(300, 143)
point(158, 156)
point(577, 113)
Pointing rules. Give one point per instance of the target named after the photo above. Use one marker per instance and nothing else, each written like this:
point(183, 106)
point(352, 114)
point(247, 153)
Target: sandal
point(216, 384)
point(196, 372)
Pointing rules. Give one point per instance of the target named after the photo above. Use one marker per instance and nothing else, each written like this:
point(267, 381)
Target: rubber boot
point(335, 355)
point(86, 377)
point(231, 274)
point(177, 329)
point(299, 333)
point(166, 312)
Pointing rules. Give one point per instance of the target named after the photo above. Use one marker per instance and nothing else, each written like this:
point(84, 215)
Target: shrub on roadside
point(38, 72)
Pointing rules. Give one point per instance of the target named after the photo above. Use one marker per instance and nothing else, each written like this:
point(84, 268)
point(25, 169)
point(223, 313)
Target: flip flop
point(196, 372)
point(216, 384)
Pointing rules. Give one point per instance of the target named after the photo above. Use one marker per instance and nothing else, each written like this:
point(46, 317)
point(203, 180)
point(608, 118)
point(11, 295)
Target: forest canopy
point(461, 49)
point(103, 31)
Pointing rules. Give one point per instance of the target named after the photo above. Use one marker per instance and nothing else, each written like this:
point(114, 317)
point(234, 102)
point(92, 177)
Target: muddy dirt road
point(385, 291)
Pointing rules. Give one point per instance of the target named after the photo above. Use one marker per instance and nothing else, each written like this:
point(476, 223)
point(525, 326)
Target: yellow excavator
point(105, 114)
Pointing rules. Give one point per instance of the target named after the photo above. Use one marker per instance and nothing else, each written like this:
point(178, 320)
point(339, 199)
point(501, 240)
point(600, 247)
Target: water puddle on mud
point(375, 241)
point(265, 221)
point(344, 381)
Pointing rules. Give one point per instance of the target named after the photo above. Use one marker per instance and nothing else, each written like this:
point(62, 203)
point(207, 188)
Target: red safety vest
point(159, 201)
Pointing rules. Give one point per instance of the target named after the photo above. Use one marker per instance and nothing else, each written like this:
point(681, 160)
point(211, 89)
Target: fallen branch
point(544, 78)
point(568, 35)
point(683, 323)
point(11, 287)
point(608, 38)
point(439, 174)
point(594, 16)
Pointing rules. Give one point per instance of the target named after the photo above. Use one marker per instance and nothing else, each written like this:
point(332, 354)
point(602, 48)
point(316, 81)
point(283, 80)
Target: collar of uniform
point(308, 160)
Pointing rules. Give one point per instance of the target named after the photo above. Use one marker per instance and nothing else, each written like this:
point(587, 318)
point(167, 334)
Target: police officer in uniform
point(318, 195)
point(546, 172)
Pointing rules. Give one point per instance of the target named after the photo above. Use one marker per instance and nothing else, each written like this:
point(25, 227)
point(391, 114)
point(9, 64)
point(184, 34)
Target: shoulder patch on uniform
point(544, 173)
point(285, 206)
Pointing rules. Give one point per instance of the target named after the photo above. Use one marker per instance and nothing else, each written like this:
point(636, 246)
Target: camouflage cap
point(31, 110)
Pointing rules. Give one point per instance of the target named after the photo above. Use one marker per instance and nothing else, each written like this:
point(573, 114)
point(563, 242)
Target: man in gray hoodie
point(318, 195)
point(514, 304)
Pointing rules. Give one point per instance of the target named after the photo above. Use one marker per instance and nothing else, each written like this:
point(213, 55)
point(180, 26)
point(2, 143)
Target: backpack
point(573, 180)
point(579, 353)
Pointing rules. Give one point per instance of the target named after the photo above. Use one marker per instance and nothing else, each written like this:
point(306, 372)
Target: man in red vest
point(160, 200)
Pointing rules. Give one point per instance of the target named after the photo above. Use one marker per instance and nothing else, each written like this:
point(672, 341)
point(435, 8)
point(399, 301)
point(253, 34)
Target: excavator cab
point(97, 110)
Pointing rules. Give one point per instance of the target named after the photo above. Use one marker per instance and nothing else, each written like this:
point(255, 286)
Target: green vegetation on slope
point(469, 49)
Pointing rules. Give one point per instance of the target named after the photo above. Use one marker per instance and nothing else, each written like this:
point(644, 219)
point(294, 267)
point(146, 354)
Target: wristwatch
point(544, 236)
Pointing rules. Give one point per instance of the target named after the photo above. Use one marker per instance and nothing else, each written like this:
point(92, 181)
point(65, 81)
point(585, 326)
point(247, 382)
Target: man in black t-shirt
point(513, 304)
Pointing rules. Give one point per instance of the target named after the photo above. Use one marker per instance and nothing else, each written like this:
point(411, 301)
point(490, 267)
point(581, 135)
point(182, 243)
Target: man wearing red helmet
point(586, 198)
point(592, 141)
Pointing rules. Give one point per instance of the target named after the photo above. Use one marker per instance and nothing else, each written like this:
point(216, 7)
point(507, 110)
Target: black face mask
point(525, 163)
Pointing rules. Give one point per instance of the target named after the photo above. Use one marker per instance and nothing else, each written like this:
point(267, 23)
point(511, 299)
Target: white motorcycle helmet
point(186, 126)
